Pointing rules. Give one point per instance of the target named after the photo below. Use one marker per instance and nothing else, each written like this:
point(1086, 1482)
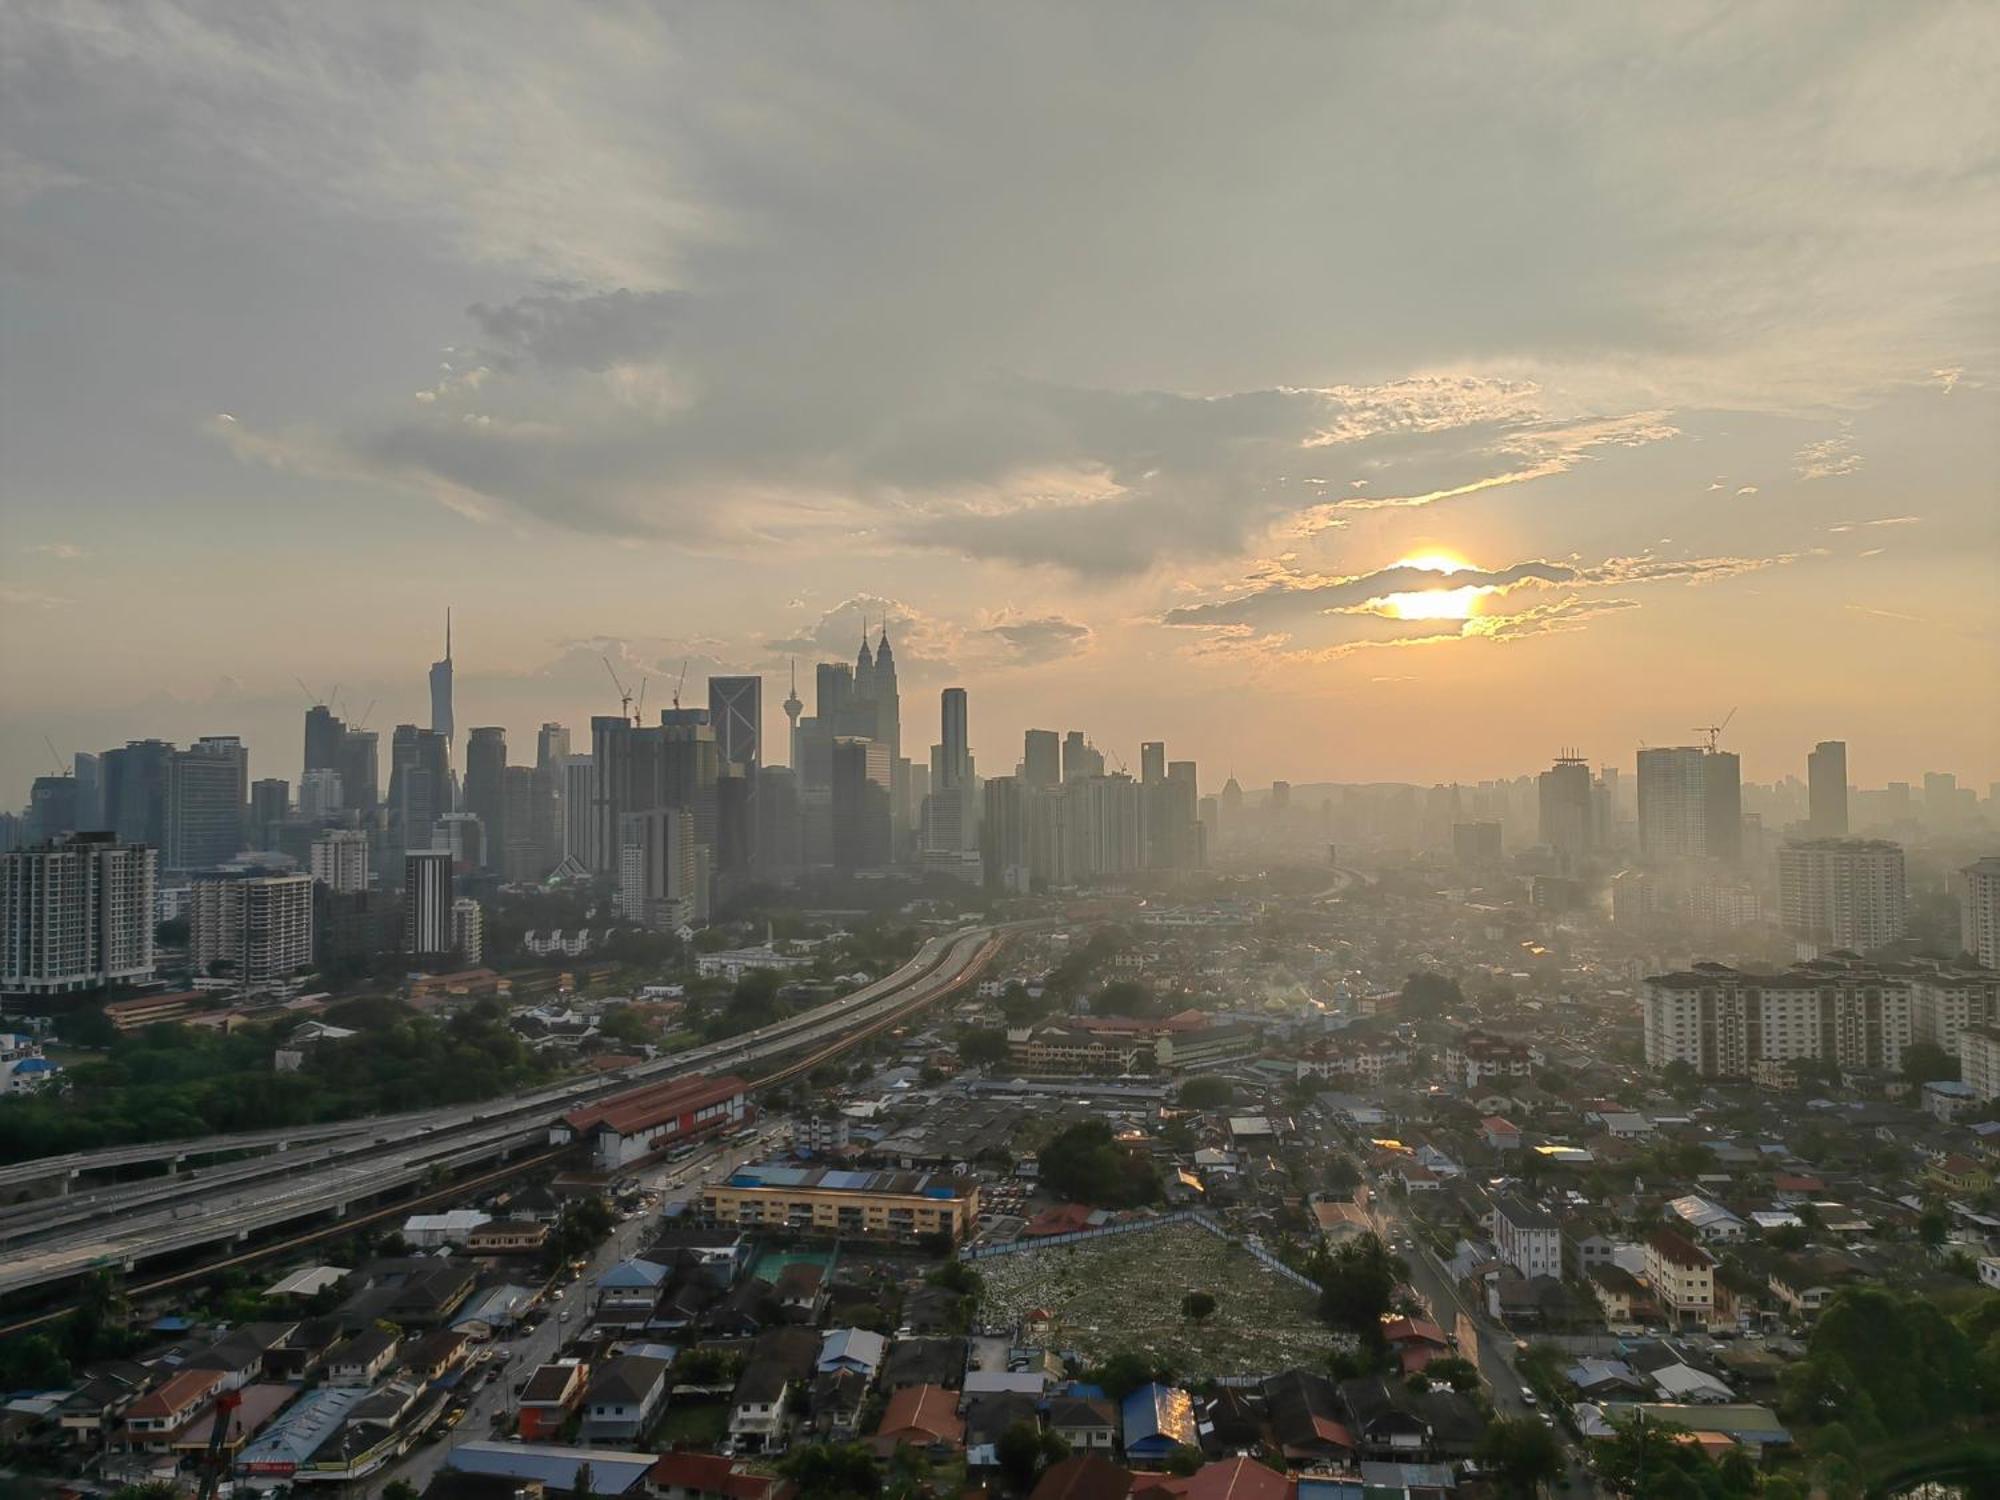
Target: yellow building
point(823, 1200)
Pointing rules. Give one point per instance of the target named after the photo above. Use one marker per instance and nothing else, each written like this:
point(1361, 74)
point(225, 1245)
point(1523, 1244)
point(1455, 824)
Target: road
point(537, 1347)
point(52, 1244)
point(1433, 1283)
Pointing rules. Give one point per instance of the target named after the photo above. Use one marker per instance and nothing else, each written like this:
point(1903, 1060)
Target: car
point(1528, 1398)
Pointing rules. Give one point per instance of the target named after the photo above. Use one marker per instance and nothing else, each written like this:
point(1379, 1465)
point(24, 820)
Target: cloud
point(61, 551)
point(573, 330)
point(1033, 640)
point(21, 598)
point(1748, 489)
point(1879, 521)
point(1830, 458)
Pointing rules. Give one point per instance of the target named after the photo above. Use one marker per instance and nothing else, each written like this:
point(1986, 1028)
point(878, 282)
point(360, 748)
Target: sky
point(1339, 392)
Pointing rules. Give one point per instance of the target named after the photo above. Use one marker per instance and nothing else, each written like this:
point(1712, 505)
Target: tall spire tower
point(441, 719)
point(793, 708)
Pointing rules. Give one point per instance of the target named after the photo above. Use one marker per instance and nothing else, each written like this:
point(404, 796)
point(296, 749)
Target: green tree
point(1681, 1079)
point(1933, 1227)
point(838, 1471)
point(1125, 1371)
point(1460, 1374)
point(1426, 995)
point(1206, 1092)
point(1184, 1460)
point(982, 1046)
point(1356, 1282)
point(1522, 1455)
point(1927, 1062)
point(399, 1489)
point(1086, 1165)
point(1124, 997)
point(1198, 1307)
point(1024, 1450)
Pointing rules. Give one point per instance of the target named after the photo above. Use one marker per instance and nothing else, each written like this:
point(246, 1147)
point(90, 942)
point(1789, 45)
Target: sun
point(1433, 604)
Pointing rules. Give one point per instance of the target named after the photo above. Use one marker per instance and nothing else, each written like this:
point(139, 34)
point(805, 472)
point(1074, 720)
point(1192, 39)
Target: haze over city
point(1124, 377)
point(1004, 751)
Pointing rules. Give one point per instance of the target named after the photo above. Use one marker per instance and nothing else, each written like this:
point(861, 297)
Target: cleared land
point(1120, 1294)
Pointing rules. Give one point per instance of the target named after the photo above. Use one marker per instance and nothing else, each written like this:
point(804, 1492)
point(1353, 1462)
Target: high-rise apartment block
point(1842, 893)
point(1979, 910)
point(1568, 815)
point(76, 914)
point(339, 859)
point(208, 791)
point(259, 926)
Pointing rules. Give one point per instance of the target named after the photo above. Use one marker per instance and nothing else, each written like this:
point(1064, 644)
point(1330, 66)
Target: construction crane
point(1714, 731)
point(362, 722)
point(55, 759)
point(624, 696)
point(211, 1468)
point(680, 684)
point(639, 708)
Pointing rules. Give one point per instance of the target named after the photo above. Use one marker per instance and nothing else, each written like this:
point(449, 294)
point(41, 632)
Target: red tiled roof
point(640, 1108)
point(1083, 1477)
point(712, 1474)
point(175, 1392)
point(929, 1412)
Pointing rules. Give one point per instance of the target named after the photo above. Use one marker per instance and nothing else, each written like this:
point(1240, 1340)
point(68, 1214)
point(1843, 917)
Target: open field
point(1125, 1293)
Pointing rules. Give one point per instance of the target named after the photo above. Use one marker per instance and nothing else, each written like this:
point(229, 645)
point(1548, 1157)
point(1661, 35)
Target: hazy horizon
point(1343, 394)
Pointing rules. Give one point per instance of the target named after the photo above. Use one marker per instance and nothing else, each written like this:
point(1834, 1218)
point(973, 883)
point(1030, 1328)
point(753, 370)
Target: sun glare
point(1433, 604)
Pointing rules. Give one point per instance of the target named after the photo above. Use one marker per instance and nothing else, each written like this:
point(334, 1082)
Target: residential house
point(1708, 1221)
point(152, 1420)
point(1083, 1476)
point(854, 1349)
point(1528, 1238)
point(800, 1290)
point(1805, 1283)
point(624, 1395)
point(1500, 1134)
point(1087, 1424)
point(835, 1404)
point(1307, 1419)
point(1682, 1277)
point(710, 1476)
point(924, 1362)
point(1623, 1300)
point(551, 1394)
point(436, 1354)
point(762, 1406)
point(920, 1416)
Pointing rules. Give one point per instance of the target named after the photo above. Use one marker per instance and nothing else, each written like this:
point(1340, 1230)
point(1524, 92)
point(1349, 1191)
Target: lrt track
point(348, 1225)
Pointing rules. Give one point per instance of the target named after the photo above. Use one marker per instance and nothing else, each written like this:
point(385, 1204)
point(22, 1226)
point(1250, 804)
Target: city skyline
point(1596, 417)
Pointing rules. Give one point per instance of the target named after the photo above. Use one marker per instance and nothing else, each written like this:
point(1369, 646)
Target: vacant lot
point(1125, 1294)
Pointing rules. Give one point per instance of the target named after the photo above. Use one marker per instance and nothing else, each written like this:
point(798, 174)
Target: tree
point(1787, 1237)
point(1124, 1372)
point(1522, 1454)
point(982, 1046)
point(581, 1488)
point(1185, 1459)
point(1425, 995)
point(1124, 997)
point(1356, 1283)
point(1933, 1227)
point(399, 1489)
point(1198, 1307)
point(627, 1026)
point(1207, 1092)
point(1024, 1450)
point(1086, 1165)
point(838, 1471)
point(1927, 1062)
point(1681, 1080)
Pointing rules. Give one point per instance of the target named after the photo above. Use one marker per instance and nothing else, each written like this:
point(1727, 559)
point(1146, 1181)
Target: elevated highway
point(54, 1240)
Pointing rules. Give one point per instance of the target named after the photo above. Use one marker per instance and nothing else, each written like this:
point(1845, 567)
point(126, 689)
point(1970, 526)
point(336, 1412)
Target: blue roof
point(634, 1273)
point(1159, 1414)
point(612, 1470)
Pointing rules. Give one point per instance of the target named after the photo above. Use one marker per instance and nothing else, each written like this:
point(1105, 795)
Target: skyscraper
point(519, 857)
point(324, 733)
point(419, 785)
point(1152, 762)
point(1041, 759)
point(1080, 758)
point(76, 914)
point(954, 768)
point(1673, 803)
point(658, 868)
point(52, 807)
point(89, 771)
point(360, 770)
point(1826, 780)
point(485, 773)
point(208, 790)
point(135, 791)
point(427, 901)
point(441, 705)
point(860, 803)
point(579, 774)
point(550, 790)
point(736, 710)
point(270, 805)
point(1567, 813)
point(1722, 806)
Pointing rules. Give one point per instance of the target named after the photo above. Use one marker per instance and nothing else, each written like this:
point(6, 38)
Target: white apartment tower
point(1842, 893)
point(75, 914)
point(340, 859)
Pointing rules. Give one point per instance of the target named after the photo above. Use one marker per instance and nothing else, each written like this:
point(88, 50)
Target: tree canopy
point(1086, 1165)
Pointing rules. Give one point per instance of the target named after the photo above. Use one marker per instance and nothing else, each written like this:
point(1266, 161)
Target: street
point(537, 1347)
